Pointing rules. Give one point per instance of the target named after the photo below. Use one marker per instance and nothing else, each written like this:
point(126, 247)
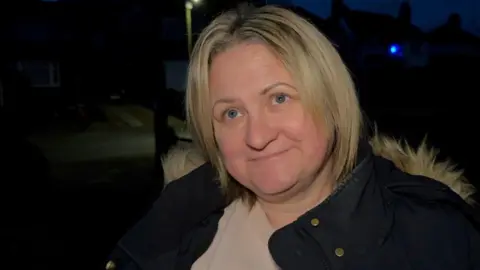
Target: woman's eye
point(280, 98)
point(231, 113)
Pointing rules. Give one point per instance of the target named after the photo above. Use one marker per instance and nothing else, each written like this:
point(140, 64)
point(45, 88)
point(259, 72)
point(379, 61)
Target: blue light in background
point(395, 50)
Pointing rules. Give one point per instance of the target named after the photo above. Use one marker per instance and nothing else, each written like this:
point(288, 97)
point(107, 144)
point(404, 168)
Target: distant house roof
point(385, 28)
point(447, 35)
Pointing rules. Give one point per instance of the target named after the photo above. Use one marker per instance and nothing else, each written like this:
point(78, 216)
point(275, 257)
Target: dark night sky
point(427, 14)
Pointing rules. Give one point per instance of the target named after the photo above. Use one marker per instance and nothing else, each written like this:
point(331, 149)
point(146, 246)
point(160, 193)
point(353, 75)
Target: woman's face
point(268, 141)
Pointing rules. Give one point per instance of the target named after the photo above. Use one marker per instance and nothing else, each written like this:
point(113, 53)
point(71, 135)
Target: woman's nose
point(260, 132)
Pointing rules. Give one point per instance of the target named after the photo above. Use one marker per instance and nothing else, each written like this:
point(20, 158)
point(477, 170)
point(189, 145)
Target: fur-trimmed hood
point(183, 159)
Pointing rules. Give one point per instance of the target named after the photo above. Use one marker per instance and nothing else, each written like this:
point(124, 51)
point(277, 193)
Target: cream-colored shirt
point(241, 242)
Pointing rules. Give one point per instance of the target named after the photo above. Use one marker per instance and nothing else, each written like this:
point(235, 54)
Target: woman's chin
point(272, 188)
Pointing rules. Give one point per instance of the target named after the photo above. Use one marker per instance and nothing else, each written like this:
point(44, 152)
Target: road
point(102, 182)
point(91, 146)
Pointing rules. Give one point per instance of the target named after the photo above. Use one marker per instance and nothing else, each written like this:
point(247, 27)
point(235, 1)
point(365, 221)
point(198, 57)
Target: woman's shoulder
point(190, 183)
point(444, 232)
point(432, 201)
point(190, 197)
point(417, 173)
point(438, 227)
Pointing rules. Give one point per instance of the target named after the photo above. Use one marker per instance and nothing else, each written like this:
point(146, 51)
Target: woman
point(276, 118)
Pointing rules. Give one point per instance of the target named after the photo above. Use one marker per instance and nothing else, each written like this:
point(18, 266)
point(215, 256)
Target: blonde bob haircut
point(325, 86)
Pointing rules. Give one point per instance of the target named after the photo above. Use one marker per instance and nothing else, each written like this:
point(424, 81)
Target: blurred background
point(91, 96)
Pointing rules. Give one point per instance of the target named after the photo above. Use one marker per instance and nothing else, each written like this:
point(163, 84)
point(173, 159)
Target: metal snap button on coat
point(339, 252)
point(110, 265)
point(315, 222)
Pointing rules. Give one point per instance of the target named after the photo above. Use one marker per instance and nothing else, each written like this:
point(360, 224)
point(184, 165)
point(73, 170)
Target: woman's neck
point(305, 198)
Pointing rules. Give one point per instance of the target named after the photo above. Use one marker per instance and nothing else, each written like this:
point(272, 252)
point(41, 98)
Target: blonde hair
point(327, 90)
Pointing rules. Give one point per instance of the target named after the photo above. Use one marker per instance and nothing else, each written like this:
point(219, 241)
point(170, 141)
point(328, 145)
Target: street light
point(188, 20)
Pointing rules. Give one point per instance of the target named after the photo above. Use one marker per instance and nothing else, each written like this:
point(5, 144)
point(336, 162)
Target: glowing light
point(395, 50)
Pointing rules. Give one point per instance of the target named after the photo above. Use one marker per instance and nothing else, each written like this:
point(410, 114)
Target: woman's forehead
point(246, 67)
